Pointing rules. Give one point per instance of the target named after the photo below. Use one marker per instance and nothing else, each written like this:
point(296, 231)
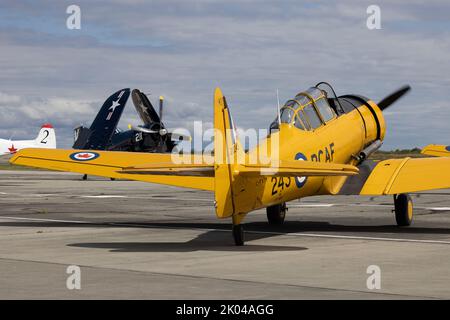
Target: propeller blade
point(162, 132)
point(390, 99)
point(161, 100)
point(140, 129)
point(144, 108)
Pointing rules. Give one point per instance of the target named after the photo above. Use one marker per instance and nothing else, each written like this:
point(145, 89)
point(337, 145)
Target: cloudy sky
point(184, 49)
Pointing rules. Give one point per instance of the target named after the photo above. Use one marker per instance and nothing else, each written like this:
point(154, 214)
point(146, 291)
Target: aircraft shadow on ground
point(207, 241)
point(217, 236)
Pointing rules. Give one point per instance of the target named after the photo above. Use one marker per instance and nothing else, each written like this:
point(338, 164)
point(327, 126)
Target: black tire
point(276, 213)
point(403, 209)
point(84, 177)
point(238, 234)
point(112, 179)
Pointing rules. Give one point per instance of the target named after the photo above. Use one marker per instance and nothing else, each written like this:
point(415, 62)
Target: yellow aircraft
point(318, 145)
point(436, 150)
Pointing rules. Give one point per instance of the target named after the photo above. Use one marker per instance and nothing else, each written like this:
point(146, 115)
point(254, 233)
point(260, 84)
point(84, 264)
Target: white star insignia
point(115, 104)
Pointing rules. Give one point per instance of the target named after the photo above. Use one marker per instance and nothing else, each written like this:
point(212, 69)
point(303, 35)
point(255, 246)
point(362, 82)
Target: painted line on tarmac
point(329, 205)
point(112, 196)
point(162, 197)
point(317, 235)
point(47, 220)
point(295, 234)
point(312, 205)
point(104, 196)
point(439, 208)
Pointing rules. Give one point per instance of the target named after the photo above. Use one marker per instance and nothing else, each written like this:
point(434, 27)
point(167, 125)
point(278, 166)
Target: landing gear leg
point(238, 234)
point(276, 213)
point(403, 209)
point(238, 230)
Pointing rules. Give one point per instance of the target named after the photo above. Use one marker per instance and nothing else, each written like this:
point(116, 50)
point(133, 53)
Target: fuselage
point(46, 139)
point(12, 146)
point(338, 140)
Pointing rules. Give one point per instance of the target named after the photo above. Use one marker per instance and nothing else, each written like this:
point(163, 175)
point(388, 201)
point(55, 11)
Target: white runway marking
point(316, 235)
point(329, 205)
point(149, 197)
point(104, 196)
point(163, 197)
point(47, 220)
point(296, 234)
point(312, 205)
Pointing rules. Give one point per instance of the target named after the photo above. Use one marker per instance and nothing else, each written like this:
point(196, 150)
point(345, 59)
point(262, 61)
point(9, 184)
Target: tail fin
point(227, 152)
point(105, 123)
point(46, 137)
point(80, 137)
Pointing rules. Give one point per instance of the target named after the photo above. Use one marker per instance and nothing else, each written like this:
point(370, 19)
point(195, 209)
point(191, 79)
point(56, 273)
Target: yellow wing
point(396, 176)
point(159, 168)
point(285, 169)
point(436, 150)
point(288, 168)
point(112, 164)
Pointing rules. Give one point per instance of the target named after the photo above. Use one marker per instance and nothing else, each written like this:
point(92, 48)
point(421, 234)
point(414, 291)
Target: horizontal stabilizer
point(395, 176)
point(436, 150)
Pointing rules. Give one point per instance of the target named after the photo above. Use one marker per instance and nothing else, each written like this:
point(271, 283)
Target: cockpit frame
point(299, 118)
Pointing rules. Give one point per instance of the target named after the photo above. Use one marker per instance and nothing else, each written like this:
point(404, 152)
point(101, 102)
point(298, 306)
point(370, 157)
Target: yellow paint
point(108, 164)
point(410, 210)
point(436, 150)
point(243, 185)
point(397, 176)
point(224, 178)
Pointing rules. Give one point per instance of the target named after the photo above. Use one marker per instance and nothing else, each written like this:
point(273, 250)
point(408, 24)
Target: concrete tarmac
point(135, 240)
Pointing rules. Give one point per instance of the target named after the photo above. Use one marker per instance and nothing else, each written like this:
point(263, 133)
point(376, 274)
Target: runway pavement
point(135, 240)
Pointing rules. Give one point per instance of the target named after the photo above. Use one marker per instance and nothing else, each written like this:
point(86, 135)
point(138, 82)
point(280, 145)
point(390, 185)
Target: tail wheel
point(403, 209)
point(276, 213)
point(238, 234)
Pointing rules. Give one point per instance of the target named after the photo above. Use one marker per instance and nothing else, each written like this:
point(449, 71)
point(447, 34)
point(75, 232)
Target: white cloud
point(7, 99)
point(249, 48)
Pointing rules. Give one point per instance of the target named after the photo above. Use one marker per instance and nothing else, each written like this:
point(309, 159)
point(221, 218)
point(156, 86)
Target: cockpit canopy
point(308, 110)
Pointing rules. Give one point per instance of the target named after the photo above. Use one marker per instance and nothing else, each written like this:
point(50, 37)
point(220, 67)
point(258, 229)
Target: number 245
point(278, 184)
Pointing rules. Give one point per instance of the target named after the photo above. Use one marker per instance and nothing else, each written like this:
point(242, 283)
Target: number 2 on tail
point(44, 140)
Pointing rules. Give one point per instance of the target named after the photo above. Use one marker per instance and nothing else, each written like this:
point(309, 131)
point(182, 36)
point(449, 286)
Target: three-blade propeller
point(152, 121)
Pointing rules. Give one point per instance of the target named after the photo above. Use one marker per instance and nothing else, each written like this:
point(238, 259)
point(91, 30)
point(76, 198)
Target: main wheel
point(238, 234)
point(276, 213)
point(84, 177)
point(403, 209)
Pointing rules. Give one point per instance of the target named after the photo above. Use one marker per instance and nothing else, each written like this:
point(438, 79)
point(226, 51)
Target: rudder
point(105, 123)
point(46, 137)
point(226, 147)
